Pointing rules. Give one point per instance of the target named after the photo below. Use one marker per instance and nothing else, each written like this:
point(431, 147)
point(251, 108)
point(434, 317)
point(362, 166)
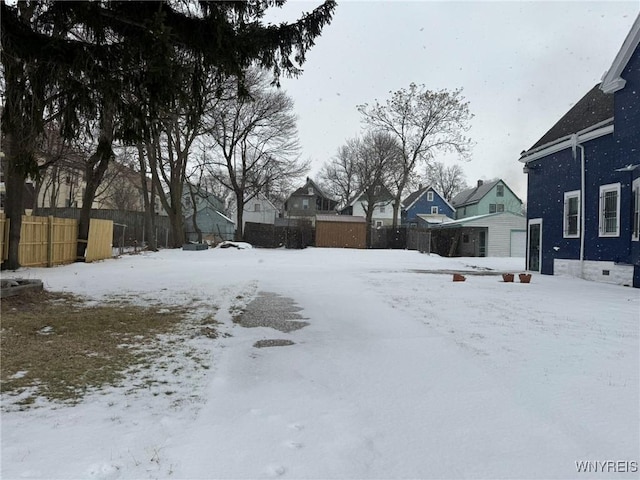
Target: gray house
point(209, 218)
point(307, 202)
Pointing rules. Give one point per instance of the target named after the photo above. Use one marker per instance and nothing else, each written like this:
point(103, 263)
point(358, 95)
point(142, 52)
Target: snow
point(401, 373)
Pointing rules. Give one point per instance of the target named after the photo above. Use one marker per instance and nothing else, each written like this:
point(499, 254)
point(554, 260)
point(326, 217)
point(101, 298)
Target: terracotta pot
point(458, 278)
point(525, 277)
point(507, 277)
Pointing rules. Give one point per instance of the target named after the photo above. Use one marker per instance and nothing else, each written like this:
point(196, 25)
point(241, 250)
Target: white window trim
point(603, 189)
point(635, 204)
point(430, 196)
point(434, 212)
point(565, 223)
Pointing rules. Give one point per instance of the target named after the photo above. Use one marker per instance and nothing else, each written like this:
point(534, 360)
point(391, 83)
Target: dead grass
point(54, 345)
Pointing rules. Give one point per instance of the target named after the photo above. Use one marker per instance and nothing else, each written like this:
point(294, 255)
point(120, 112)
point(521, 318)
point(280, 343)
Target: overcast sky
point(521, 66)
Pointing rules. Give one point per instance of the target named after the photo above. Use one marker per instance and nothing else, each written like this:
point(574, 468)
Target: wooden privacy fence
point(49, 241)
point(99, 242)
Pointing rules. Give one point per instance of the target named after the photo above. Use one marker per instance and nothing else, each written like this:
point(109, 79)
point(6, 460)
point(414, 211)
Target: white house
point(382, 210)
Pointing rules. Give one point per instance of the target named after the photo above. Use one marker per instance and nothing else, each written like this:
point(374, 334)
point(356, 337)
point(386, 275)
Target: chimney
point(479, 183)
point(419, 186)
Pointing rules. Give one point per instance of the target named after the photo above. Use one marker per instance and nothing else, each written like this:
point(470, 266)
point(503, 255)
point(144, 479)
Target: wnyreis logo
point(607, 466)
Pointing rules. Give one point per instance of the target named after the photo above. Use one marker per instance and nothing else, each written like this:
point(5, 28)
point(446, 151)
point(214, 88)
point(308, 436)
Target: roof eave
point(612, 80)
point(590, 133)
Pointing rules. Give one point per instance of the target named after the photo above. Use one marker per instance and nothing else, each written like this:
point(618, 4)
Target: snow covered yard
point(399, 374)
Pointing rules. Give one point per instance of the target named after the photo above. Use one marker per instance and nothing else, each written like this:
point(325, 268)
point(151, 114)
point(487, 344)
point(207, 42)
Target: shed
point(341, 231)
point(492, 235)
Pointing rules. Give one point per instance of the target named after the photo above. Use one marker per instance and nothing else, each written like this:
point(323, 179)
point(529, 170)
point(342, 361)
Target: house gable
point(485, 198)
point(418, 203)
point(309, 200)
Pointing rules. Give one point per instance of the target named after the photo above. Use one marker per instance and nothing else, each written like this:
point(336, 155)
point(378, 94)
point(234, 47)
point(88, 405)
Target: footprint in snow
point(296, 426)
point(103, 471)
point(275, 470)
point(295, 445)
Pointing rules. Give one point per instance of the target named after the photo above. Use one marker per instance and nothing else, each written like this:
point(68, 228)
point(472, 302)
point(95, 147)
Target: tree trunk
point(396, 208)
point(194, 219)
point(369, 220)
point(14, 202)
point(95, 169)
point(147, 200)
point(239, 235)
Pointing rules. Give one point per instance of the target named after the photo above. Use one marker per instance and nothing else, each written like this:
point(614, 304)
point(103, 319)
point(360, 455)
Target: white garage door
point(518, 243)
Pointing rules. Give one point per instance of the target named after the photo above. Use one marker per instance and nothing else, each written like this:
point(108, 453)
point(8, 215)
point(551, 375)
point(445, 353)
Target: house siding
point(509, 200)
point(385, 217)
point(499, 228)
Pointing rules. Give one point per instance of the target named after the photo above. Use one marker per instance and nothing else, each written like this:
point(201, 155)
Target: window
point(430, 196)
point(571, 222)
point(492, 208)
point(635, 233)
point(610, 210)
point(310, 190)
point(378, 223)
point(305, 204)
point(256, 207)
point(500, 207)
point(382, 208)
point(500, 191)
point(434, 210)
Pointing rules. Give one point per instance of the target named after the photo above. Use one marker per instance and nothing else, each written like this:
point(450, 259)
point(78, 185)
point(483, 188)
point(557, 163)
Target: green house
point(485, 198)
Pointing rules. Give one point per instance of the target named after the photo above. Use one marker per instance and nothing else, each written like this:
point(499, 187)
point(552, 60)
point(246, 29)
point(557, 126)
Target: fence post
point(50, 241)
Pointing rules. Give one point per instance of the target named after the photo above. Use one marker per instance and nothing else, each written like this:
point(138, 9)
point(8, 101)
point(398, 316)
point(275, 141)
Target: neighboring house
point(307, 202)
point(210, 218)
point(484, 198)
point(426, 201)
point(583, 205)
point(258, 210)
point(491, 235)
point(382, 210)
point(62, 185)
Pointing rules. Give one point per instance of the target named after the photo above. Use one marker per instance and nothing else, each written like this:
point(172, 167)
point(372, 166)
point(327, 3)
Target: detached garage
point(341, 231)
point(493, 235)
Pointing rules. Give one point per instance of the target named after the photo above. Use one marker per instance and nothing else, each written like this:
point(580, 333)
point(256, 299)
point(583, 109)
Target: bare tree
point(379, 156)
point(423, 122)
point(338, 176)
point(255, 140)
point(448, 180)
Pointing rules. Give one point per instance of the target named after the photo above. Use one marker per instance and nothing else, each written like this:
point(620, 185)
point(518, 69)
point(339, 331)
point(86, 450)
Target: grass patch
point(55, 346)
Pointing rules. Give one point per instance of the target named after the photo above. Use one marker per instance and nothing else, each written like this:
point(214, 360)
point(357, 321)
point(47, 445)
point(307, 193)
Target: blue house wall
point(423, 207)
point(627, 133)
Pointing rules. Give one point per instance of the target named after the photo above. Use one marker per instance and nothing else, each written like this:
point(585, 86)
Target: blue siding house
point(425, 201)
point(584, 181)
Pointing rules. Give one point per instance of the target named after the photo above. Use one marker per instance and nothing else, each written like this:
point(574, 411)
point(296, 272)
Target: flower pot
point(525, 277)
point(507, 277)
point(458, 278)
